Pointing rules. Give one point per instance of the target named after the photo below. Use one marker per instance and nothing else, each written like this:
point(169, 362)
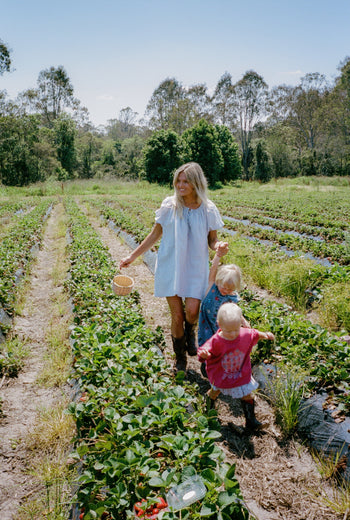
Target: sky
point(117, 52)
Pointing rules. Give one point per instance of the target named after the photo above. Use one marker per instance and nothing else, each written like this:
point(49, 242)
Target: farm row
point(17, 249)
point(139, 432)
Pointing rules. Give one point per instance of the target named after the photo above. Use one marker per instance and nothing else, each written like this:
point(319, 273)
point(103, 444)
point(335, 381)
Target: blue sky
point(116, 52)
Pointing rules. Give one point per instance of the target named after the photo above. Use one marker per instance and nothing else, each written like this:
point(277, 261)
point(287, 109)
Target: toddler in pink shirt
point(228, 365)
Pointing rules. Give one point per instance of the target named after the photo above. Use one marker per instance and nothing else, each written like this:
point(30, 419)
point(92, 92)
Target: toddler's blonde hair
point(229, 275)
point(229, 314)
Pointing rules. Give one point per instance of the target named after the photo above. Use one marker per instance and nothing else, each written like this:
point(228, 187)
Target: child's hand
point(204, 354)
point(222, 249)
point(270, 336)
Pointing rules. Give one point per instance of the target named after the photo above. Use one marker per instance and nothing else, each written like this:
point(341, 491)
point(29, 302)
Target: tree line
point(241, 130)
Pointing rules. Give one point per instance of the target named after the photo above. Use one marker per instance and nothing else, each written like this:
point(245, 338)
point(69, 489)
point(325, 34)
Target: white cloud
point(294, 72)
point(105, 97)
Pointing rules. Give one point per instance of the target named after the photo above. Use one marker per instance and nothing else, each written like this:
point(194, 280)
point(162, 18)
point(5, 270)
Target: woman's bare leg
point(192, 309)
point(177, 316)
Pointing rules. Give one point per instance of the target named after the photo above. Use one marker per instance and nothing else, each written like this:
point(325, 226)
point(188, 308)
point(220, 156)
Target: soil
point(278, 479)
point(22, 396)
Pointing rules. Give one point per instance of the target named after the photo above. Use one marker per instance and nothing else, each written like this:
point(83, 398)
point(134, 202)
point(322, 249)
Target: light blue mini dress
point(182, 266)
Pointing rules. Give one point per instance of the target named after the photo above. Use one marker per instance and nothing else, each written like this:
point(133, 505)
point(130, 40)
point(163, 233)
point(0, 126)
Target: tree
point(201, 146)
point(222, 101)
point(124, 126)
point(262, 166)
point(249, 99)
point(88, 147)
point(18, 158)
point(162, 155)
point(163, 107)
point(65, 133)
point(232, 169)
point(131, 156)
point(301, 107)
point(5, 58)
point(53, 96)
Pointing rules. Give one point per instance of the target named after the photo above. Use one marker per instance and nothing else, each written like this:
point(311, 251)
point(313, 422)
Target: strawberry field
point(139, 430)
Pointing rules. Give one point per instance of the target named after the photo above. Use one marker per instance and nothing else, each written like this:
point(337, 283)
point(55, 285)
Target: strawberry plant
point(139, 432)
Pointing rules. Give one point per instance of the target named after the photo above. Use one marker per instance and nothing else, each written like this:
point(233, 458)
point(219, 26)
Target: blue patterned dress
point(207, 325)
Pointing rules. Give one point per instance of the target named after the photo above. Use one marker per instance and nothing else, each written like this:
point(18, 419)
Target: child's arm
point(245, 323)
point(221, 250)
point(266, 335)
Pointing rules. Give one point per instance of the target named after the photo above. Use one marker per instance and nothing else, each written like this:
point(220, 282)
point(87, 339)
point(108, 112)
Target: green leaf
point(231, 472)
point(156, 482)
point(207, 510)
point(226, 498)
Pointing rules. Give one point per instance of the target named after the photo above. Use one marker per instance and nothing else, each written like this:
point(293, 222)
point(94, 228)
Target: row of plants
point(334, 252)
point(329, 208)
point(333, 233)
point(17, 249)
point(302, 283)
point(323, 358)
point(129, 218)
point(139, 430)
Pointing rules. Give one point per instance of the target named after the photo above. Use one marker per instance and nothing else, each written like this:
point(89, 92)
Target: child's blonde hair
point(229, 313)
point(229, 275)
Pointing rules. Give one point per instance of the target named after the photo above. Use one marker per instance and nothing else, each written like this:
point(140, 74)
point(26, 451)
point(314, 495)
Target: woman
point(187, 222)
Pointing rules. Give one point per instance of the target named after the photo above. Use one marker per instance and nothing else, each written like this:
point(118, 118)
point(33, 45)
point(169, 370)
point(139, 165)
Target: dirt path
point(22, 397)
point(276, 478)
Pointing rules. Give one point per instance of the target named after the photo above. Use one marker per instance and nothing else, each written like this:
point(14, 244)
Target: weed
point(12, 356)
point(285, 392)
point(331, 468)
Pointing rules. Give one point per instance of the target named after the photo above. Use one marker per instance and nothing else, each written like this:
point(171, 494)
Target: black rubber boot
point(190, 335)
point(179, 346)
point(251, 422)
point(203, 370)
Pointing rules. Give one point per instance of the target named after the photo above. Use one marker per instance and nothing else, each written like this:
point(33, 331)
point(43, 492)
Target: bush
point(162, 155)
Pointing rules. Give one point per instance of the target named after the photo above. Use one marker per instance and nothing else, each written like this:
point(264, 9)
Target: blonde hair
point(229, 275)
point(195, 176)
point(229, 313)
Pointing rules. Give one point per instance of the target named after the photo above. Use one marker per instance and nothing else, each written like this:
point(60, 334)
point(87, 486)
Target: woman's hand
point(125, 262)
point(270, 336)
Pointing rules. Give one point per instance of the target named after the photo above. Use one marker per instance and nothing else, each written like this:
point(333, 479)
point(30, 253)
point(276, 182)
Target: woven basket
point(122, 284)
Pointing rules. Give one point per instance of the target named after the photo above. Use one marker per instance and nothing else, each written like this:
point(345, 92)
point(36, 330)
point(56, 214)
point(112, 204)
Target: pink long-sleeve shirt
point(229, 365)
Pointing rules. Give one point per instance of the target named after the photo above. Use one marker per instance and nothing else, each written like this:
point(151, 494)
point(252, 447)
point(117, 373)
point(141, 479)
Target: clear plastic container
point(186, 493)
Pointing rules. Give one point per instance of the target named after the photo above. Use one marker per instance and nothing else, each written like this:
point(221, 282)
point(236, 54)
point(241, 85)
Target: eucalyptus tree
point(249, 100)
point(175, 107)
point(5, 58)
point(124, 126)
point(339, 123)
point(222, 102)
point(300, 107)
point(163, 107)
point(53, 96)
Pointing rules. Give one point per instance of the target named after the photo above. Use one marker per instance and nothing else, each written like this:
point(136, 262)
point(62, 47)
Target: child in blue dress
point(224, 282)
